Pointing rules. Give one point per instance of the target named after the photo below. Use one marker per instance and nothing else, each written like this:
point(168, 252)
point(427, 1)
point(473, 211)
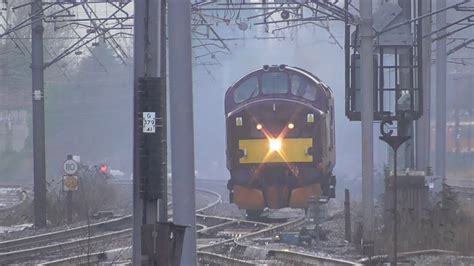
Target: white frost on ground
point(14, 228)
point(10, 196)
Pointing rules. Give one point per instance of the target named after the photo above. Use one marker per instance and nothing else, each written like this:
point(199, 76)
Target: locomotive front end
point(278, 141)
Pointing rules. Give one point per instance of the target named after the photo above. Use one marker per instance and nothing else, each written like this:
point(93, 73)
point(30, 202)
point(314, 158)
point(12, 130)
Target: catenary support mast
point(37, 69)
point(181, 121)
point(367, 84)
point(423, 128)
point(441, 72)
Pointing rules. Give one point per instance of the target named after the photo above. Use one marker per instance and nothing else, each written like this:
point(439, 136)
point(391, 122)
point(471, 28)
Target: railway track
point(217, 235)
point(75, 240)
point(26, 243)
point(230, 251)
point(247, 248)
point(221, 253)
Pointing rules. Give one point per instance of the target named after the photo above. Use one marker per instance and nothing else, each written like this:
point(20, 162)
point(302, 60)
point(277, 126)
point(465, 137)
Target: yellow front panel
point(292, 151)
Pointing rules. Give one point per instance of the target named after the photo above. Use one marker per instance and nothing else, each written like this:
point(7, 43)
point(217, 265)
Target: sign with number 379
point(149, 122)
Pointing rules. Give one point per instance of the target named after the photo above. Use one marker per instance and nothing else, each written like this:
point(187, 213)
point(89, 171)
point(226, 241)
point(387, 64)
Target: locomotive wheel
point(254, 215)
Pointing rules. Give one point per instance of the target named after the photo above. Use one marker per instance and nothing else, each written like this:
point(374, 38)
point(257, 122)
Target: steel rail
point(298, 258)
point(77, 244)
point(213, 193)
point(43, 239)
point(217, 259)
point(93, 258)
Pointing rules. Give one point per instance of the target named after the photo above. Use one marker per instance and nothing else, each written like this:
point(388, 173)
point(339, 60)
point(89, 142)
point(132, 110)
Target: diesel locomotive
point(280, 139)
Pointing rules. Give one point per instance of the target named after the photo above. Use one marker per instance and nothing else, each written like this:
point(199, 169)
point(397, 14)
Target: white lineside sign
point(149, 122)
point(70, 167)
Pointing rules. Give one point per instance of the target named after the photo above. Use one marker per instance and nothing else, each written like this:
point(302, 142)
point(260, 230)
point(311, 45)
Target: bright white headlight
point(275, 145)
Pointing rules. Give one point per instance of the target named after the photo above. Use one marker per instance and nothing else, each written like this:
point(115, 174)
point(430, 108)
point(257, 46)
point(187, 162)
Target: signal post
point(144, 123)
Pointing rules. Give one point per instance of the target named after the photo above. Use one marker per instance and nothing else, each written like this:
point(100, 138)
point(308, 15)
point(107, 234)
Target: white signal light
point(259, 126)
point(291, 125)
point(238, 121)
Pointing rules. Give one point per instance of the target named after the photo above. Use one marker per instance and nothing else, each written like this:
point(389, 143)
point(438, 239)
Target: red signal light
point(104, 169)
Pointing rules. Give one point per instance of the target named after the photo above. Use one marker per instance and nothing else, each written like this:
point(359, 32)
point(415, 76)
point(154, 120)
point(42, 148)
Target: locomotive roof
point(323, 92)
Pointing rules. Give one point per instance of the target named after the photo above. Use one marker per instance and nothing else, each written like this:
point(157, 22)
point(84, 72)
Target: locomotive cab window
point(246, 90)
point(303, 87)
point(275, 83)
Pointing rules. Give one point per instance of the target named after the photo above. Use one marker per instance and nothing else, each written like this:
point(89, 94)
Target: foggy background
point(313, 50)
point(89, 98)
point(88, 94)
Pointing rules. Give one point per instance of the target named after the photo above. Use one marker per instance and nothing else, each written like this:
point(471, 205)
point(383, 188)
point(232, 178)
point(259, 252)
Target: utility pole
point(37, 70)
point(181, 120)
point(149, 163)
point(441, 72)
point(423, 126)
point(367, 114)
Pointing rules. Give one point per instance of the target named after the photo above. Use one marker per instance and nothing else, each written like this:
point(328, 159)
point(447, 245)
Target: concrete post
point(423, 126)
point(367, 69)
point(441, 72)
point(37, 68)
point(181, 122)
